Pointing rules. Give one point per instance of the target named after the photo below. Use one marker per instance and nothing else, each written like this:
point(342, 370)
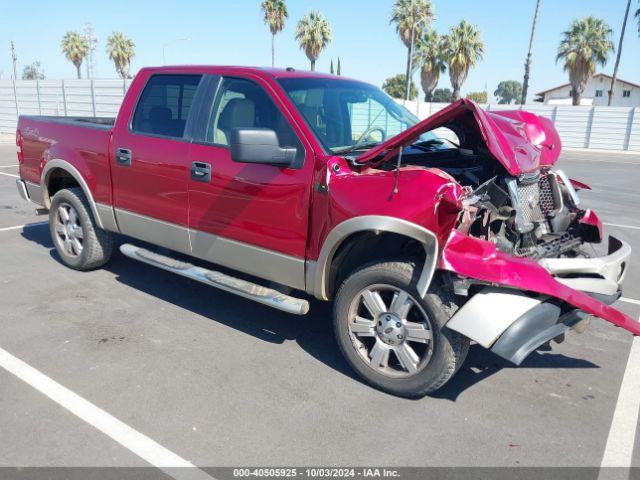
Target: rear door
point(250, 217)
point(150, 161)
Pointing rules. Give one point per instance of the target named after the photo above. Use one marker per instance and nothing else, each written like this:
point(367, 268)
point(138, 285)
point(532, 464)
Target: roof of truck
point(272, 72)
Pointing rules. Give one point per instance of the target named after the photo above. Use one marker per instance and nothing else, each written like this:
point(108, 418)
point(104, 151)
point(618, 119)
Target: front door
point(249, 217)
point(150, 167)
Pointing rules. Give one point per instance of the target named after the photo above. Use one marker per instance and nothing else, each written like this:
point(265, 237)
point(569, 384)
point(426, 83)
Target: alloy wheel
point(390, 331)
point(69, 233)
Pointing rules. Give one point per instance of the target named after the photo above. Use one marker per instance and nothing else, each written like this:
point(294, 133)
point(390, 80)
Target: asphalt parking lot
point(220, 381)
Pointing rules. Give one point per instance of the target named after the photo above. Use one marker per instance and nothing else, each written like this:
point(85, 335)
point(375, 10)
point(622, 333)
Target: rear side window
point(164, 105)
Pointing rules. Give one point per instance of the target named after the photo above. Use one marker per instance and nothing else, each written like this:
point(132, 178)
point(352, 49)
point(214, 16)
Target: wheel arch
point(57, 167)
point(359, 229)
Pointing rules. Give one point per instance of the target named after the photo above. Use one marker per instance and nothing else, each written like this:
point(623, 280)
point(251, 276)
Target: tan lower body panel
point(250, 259)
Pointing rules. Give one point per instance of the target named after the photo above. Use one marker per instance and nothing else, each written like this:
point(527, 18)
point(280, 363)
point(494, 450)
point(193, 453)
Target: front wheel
point(393, 338)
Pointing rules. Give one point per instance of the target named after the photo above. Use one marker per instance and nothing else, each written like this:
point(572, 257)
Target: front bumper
point(601, 276)
point(585, 286)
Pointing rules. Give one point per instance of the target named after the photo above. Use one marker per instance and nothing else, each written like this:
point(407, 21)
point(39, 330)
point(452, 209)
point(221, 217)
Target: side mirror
point(259, 145)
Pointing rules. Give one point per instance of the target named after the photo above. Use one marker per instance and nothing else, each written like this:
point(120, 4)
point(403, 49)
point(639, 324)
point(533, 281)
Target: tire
point(80, 243)
point(420, 326)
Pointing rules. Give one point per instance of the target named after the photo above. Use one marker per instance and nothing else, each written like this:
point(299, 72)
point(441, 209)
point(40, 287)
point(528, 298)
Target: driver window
point(244, 104)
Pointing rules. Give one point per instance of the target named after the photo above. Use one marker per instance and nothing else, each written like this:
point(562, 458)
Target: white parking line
point(18, 227)
point(150, 451)
point(620, 225)
point(622, 434)
point(9, 175)
point(630, 300)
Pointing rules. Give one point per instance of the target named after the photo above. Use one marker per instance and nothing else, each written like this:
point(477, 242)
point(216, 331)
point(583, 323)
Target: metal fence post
point(64, 99)
point(554, 115)
point(93, 98)
point(38, 95)
point(587, 138)
point(627, 136)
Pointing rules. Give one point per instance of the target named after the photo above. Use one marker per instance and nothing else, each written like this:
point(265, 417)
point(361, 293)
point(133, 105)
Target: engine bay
point(533, 215)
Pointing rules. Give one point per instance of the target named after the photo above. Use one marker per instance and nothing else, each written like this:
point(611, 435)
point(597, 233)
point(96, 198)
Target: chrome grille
point(547, 198)
point(529, 196)
point(536, 197)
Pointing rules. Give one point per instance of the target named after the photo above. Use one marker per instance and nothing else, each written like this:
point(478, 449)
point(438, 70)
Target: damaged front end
point(521, 256)
point(516, 304)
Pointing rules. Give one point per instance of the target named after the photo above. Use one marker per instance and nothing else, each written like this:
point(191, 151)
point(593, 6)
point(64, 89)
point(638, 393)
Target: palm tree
point(410, 17)
point(275, 13)
point(615, 68)
point(463, 49)
point(75, 47)
point(313, 33)
point(429, 55)
point(121, 49)
point(585, 45)
point(527, 63)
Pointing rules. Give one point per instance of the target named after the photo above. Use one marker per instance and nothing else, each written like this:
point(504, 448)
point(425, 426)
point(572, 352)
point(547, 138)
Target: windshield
point(346, 115)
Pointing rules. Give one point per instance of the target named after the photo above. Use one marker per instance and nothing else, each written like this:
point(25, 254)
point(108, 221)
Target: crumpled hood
point(521, 141)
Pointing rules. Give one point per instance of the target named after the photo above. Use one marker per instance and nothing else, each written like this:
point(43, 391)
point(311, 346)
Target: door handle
point(123, 157)
point(200, 171)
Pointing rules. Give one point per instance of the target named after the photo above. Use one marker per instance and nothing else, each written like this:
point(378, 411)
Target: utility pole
point(90, 36)
point(14, 58)
point(615, 68)
point(527, 63)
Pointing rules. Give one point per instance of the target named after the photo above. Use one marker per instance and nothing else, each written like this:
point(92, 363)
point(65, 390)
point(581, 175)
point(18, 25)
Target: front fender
point(318, 272)
point(479, 259)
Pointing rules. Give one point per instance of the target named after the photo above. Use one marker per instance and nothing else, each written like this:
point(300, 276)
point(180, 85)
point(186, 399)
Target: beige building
point(596, 93)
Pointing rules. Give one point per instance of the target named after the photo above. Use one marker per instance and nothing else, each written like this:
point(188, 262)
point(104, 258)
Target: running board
point(252, 291)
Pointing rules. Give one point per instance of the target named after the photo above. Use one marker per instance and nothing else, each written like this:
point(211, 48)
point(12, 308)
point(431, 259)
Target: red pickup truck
point(302, 182)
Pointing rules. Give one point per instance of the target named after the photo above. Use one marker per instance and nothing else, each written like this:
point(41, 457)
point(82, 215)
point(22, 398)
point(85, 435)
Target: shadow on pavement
point(482, 363)
point(313, 332)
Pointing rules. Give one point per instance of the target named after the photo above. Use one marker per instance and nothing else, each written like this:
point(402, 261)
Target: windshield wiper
point(353, 148)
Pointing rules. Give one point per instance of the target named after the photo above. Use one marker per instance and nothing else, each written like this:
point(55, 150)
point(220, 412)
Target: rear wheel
point(393, 338)
point(80, 243)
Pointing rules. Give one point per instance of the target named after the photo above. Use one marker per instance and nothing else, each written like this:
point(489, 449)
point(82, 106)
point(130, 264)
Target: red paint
point(590, 219)
point(87, 149)
point(577, 184)
point(292, 211)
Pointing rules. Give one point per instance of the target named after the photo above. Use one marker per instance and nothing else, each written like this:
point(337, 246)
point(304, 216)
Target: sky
point(233, 33)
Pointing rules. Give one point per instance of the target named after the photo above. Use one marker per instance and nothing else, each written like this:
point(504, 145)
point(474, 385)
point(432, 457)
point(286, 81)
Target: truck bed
point(81, 141)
